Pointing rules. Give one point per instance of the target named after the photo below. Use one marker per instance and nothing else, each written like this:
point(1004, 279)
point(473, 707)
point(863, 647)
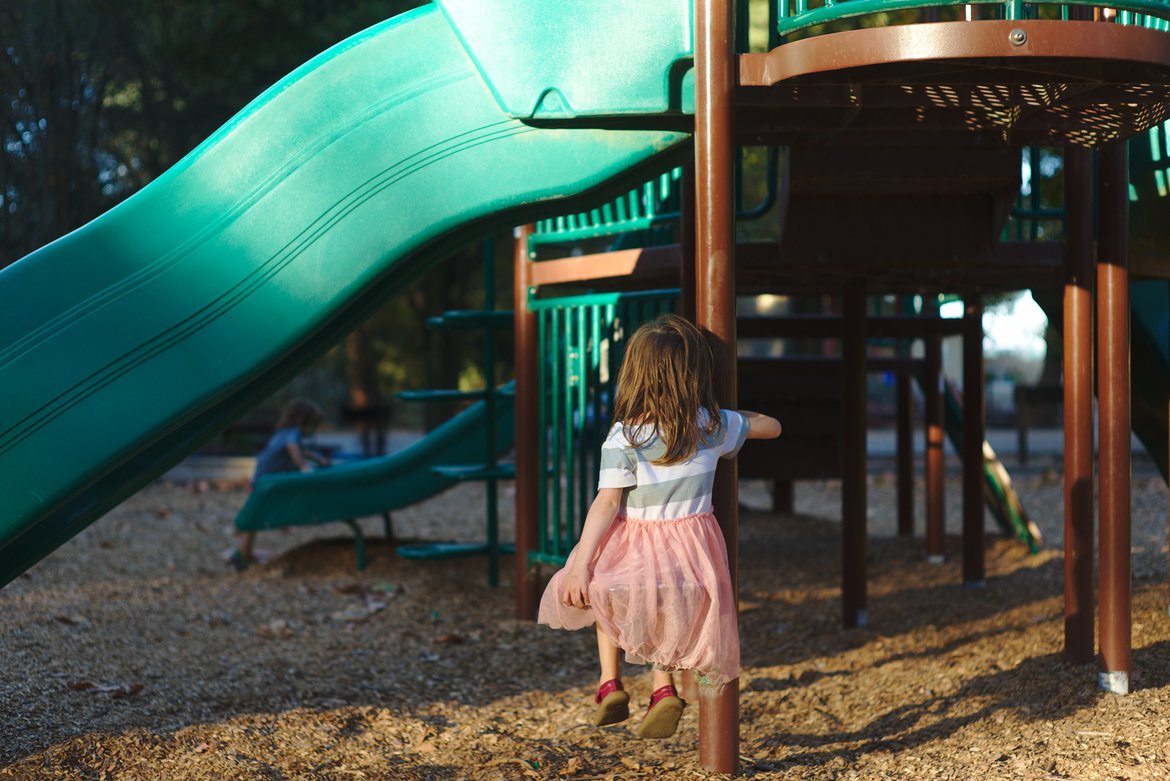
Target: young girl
point(285, 452)
point(650, 568)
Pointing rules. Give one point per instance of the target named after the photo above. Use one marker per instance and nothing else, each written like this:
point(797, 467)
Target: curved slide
point(377, 485)
point(129, 342)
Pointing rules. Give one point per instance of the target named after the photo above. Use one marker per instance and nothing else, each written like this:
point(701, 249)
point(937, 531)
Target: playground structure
point(282, 231)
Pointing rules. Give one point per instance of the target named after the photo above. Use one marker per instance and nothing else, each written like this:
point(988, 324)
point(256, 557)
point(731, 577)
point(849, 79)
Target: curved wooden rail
point(1020, 82)
point(977, 40)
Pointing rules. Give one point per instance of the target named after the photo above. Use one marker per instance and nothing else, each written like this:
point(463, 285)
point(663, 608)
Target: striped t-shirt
point(659, 492)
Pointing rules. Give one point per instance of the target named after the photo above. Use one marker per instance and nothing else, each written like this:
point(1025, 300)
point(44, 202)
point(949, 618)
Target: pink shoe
point(613, 704)
point(661, 719)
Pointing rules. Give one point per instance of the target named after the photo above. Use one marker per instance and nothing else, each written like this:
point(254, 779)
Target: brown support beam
point(973, 436)
point(527, 426)
point(645, 262)
point(686, 239)
point(822, 326)
point(715, 311)
point(1113, 389)
point(905, 454)
point(1078, 407)
point(853, 489)
point(935, 456)
point(783, 496)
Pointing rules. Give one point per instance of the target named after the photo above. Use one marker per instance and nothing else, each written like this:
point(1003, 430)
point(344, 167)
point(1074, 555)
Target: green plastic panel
point(131, 341)
point(1150, 357)
point(564, 60)
point(376, 485)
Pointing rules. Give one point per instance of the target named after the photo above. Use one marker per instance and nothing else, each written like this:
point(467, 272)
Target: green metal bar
point(1034, 196)
point(582, 407)
point(489, 365)
point(567, 429)
point(543, 426)
point(600, 299)
point(555, 358)
point(595, 376)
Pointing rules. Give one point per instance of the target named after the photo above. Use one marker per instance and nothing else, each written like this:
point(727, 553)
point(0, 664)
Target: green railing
point(1149, 164)
point(796, 15)
point(654, 204)
point(581, 343)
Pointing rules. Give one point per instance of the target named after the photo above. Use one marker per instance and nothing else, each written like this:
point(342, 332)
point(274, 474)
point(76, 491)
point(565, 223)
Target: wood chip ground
point(134, 653)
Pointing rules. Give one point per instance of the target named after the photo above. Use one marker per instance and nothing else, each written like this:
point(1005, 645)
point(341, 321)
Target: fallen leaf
point(126, 691)
point(451, 639)
point(352, 615)
point(275, 628)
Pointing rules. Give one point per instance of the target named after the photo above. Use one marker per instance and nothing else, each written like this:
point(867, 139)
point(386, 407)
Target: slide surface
point(129, 342)
point(1149, 360)
point(372, 486)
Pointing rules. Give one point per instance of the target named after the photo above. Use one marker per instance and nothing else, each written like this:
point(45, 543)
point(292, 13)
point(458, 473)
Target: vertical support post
point(973, 436)
point(1078, 406)
point(1114, 416)
point(715, 311)
point(853, 488)
point(1023, 408)
point(905, 453)
point(783, 495)
point(686, 276)
point(935, 455)
point(489, 402)
point(527, 426)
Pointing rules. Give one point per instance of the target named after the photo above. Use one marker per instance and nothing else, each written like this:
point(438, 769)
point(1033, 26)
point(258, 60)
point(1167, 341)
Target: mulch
point(133, 652)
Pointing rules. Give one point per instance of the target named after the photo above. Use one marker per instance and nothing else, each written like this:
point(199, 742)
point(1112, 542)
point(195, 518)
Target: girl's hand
point(576, 589)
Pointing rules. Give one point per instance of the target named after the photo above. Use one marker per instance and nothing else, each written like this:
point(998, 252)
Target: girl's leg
point(662, 678)
point(246, 542)
point(610, 656)
point(613, 704)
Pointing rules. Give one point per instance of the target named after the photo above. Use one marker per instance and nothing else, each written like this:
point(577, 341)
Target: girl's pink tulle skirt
point(660, 590)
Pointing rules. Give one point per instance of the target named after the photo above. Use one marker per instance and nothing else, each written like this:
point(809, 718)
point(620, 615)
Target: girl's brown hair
point(301, 413)
point(665, 379)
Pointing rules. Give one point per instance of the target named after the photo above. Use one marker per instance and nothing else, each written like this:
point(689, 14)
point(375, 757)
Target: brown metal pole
point(1114, 416)
point(935, 456)
point(688, 685)
point(715, 311)
point(853, 489)
point(905, 457)
point(1078, 407)
point(527, 430)
point(686, 240)
point(783, 495)
point(973, 435)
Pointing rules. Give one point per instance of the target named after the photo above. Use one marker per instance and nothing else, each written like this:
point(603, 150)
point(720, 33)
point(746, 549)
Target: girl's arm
point(761, 426)
point(601, 514)
point(297, 455)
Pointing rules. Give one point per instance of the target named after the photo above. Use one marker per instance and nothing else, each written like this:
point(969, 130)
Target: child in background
point(285, 452)
point(651, 567)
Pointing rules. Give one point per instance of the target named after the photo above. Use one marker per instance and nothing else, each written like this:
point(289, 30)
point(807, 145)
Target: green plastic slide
point(376, 485)
point(1149, 359)
point(131, 341)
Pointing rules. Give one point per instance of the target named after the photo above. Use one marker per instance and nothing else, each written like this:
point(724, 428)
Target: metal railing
point(653, 204)
point(581, 341)
point(796, 15)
